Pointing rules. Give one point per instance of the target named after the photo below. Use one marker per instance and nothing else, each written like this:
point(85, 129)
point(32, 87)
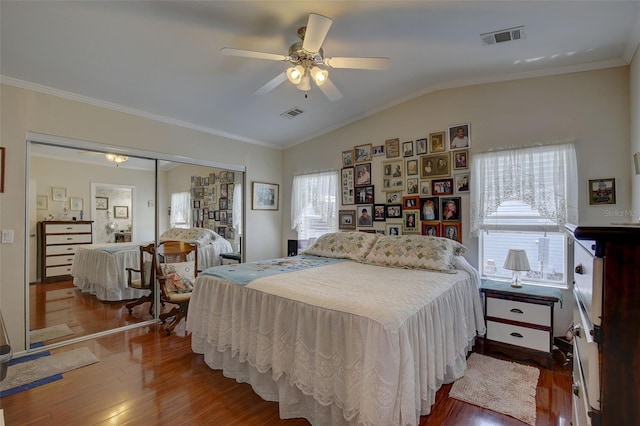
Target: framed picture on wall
point(394, 229)
point(265, 196)
point(602, 191)
point(407, 149)
point(121, 212)
point(460, 136)
point(460, 159)
point(393, 175)
point(435, 165)
point(102, 203)
point(431, 229)
point(362, 153)
point(58, 194)
point(392, 148)
point(436, 142)
point(348, 196)
point(42, 202)
point(347, 158)
point(363, 174)
point(452, 230)
point(421, 146)
point(77, 203)
point(347, 219)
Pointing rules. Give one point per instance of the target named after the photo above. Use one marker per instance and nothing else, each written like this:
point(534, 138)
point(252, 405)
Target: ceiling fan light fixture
point(319, 75)
point(116, 158)
point(305, 83)
point(295, 74)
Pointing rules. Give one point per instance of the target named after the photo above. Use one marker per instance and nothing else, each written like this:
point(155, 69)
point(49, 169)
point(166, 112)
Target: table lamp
point(516, 261)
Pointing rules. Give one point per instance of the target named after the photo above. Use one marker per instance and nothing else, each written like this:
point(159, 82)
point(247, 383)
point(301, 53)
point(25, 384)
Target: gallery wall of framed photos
point(415, 186)
point(212, 198)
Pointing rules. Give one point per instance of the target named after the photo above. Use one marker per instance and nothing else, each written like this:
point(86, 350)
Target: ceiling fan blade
point(229, 51)
point(358, 63)
point(272, 84)
point(330, 91)
point(317, 29)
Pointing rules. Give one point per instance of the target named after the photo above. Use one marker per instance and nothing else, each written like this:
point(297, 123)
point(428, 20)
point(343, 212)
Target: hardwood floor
point(146, 378)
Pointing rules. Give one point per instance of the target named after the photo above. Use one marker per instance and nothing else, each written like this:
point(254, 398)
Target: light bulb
point(319, 75)
point(294, 74)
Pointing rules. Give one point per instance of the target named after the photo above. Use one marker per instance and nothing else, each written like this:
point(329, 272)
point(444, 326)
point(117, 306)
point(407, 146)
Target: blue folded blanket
point(244, 273)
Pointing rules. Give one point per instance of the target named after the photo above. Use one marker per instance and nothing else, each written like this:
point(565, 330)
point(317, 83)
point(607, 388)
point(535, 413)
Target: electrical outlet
point(7, 236)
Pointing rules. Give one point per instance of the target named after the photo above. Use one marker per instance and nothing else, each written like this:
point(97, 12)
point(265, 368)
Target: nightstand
point(229, 258)
point(520, 320)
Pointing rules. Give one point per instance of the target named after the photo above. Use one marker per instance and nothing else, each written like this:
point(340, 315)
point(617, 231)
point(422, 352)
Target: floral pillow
point(415, 252)
point(179, 276)
point(198, 235)
point(343, 245)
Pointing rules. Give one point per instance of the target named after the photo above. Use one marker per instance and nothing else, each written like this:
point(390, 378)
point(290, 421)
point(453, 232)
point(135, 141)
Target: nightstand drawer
point(69, 239)
point(59, 260)
point(520, 336)
point(58, 270)
point(68, 228)
point(519, 311)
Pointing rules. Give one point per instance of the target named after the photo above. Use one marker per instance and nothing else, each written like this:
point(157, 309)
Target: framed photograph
point(363, 174)
point(435, 165)
point(452, 230)
point(460, 136)
point(407, 149)
point(222, 203)
point(430, 208)
point(121, 212)
point(348, 196)
point(394, 229)
point(425, 188)
point(196, 204)
point(221, 230)
point(410, 222)
point(211, 215)
point(42, 202)
point(379, 212)
point(394, 197)
point(421, 146)
point(436, 142)
point(3, 152)
point(77, 203)
point(412, 167)
point(392, 148)
point(229, 233)
point(362, 153)
point(602, 191)
point(224, 190)
point(365, 194)
point(393, 211)
point(410, 202)
point(442, 187)
point(378, 150)
point(223, 217)
point(265, 196)
point(461, 182)
point(102, 203)
point(393, 175)
point(460, 159)
point(347, 158)
point(412, 186)
point(58, 194)
point(216, 215)
point(347, 219)
point(431, 229)
point(450, 208)
point(365, 218)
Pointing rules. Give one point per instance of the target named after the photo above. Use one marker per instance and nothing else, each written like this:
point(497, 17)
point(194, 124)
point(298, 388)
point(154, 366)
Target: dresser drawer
point(68, 228)
point(53, 271)
point(59, 260)
point(53, 250)
point(69, 239)
point(519, 311)
point(588, 278)
point(531, 338)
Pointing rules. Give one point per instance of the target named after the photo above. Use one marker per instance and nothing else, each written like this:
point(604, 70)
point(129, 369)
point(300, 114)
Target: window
point(314, 205)
point(522, 198)
point(180, 216)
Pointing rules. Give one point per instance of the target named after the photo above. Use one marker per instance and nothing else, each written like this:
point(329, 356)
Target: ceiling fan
point(308, 61)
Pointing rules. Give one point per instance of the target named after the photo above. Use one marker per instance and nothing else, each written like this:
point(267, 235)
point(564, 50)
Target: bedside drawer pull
point(517, 311)
point(514, 334)
point(69, 248)
point(579, 269)
point(69, 228)
point(575, 387)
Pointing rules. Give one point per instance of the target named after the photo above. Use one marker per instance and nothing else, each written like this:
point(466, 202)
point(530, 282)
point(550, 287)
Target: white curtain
point(315, 191)
point(180, 210)
point(237, 208)
point(543, 177)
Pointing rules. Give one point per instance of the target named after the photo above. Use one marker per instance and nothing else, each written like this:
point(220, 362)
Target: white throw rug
point(505, 387)
point(49, 333)
point(46, 366)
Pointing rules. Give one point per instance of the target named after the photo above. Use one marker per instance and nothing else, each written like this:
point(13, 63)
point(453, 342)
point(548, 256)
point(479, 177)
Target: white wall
point(590, 108)
point(27, 111)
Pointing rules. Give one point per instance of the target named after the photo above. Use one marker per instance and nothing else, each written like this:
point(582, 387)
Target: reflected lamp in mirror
point(516, 262)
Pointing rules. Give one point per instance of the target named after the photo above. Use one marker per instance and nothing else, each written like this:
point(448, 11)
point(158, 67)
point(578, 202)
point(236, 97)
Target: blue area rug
point(32, 384)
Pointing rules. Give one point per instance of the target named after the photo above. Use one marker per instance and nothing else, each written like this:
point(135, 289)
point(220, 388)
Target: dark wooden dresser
point(606, 376)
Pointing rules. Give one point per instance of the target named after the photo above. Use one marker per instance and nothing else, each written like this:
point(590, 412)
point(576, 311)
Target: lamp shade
point(517, 260)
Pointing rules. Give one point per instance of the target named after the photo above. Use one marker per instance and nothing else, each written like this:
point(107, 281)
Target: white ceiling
point(161, 59)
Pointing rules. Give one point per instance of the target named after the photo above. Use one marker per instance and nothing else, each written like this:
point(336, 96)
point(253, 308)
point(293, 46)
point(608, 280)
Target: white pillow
point(415, 252)
point(343, 245)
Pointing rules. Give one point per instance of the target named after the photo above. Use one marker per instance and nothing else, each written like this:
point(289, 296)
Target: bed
point(360, 329)
point(100, 269)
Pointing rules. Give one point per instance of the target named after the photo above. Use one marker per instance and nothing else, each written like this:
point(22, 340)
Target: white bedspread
point(100, 269)
point(347, 343)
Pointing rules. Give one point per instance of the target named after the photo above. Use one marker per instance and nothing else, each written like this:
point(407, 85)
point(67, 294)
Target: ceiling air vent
point(292, 113)
point(502, 36)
